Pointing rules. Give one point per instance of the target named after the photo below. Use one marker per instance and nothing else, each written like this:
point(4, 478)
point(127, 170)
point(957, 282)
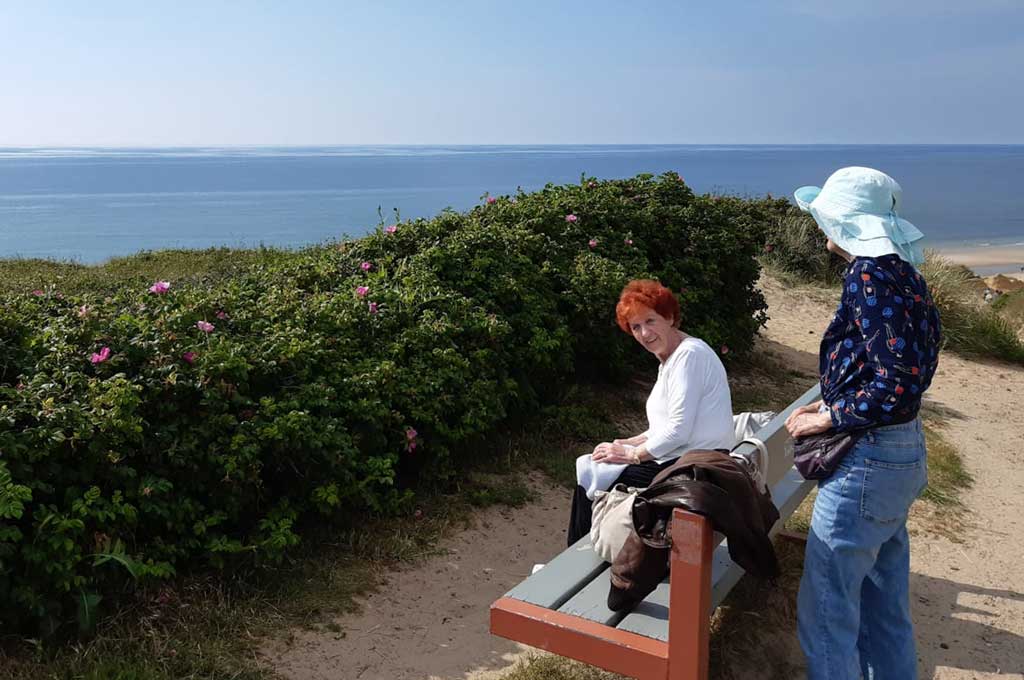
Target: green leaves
point(305, 403)
point(12, 496)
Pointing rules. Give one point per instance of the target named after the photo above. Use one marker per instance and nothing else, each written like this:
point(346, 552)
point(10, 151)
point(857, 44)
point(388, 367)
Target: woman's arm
point(632, 441)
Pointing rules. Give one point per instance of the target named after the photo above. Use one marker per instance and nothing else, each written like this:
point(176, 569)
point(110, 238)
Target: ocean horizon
point(88, 204)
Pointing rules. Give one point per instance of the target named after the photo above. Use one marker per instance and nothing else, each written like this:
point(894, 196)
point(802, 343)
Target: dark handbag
point(818, 456)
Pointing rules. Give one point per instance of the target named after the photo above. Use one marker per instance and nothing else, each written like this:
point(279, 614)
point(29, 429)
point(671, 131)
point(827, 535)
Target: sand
point(1011, 257)
point(431, 621)
point(967, 598)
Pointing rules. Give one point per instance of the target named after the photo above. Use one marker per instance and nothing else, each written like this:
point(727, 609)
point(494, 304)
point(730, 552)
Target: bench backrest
point(777, 439)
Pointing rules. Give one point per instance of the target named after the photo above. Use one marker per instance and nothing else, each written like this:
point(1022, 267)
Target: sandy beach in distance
point(988, 260)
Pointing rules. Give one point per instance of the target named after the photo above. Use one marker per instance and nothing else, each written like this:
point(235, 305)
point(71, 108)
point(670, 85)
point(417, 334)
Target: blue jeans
point(853, 610)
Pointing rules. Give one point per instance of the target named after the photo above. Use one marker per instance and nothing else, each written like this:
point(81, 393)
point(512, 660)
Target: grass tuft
point(550, 667)
point(947, 476)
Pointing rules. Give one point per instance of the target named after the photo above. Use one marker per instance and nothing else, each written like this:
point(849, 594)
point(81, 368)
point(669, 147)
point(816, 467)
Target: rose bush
point(169, 424)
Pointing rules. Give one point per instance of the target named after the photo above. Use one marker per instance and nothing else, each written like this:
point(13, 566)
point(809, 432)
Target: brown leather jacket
point(710, 483)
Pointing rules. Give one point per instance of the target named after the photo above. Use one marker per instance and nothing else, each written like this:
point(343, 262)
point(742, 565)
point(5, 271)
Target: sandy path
point(967, 598)
point(432, 621)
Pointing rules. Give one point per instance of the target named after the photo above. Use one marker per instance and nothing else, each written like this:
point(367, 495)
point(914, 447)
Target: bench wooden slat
point(788, 494)
point(650, 617)
point(562, 577)
point(591, 603)
point(777, 439)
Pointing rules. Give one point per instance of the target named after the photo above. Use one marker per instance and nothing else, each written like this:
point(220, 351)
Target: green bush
point(324, 391)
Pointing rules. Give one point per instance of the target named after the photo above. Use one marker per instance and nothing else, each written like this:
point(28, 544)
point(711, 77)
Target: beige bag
point(612, 520)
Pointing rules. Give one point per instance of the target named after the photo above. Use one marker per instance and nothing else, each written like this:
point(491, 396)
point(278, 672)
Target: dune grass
point(970, 328)
point(72, 278)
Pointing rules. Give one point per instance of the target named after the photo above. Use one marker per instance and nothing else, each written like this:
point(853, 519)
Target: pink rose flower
point(189, 357)
point(83, 311)
point(373, 307)
point(101, 356)
point(592, 243)
point(391, 229)
point(591, 184)
point(38, 293)
point(160, 287)
point(628, 241)
point(205, 326)
point(366, 266)
point(362, 291)
point(570, 218)
point(410, 438)
point(491, 200)
point(725, 349)
point(222, 315)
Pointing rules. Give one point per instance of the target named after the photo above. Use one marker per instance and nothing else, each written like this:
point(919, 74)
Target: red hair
point(646, 294)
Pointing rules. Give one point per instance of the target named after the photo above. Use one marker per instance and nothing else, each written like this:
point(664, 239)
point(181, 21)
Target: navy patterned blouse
point(880, 352)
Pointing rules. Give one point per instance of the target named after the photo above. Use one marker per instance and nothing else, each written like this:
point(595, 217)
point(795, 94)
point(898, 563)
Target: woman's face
point(654, 332)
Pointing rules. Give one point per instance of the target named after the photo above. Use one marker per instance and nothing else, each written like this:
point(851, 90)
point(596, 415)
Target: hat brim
point(805, 196)
point(867, 235)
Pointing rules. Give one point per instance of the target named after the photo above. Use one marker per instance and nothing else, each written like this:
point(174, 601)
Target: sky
point(218, 72)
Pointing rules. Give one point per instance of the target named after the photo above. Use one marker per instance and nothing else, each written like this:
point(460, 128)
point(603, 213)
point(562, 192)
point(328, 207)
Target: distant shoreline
point(987, 260)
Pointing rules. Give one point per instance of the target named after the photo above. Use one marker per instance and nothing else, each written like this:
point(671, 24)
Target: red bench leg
point(689, 619)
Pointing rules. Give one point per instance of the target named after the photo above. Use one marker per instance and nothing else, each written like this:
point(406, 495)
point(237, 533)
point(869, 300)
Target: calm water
point(91, 204)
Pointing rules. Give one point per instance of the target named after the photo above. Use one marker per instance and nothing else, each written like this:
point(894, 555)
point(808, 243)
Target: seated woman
point(690, 406)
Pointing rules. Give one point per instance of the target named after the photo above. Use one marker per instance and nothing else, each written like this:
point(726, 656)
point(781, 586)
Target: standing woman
point(877, 358)
point(690, 406)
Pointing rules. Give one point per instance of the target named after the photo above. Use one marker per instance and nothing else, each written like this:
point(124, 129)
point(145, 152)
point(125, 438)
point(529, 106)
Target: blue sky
point(389, 72)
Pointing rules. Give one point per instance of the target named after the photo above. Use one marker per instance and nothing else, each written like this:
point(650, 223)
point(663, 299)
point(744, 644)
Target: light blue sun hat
point(856, 208)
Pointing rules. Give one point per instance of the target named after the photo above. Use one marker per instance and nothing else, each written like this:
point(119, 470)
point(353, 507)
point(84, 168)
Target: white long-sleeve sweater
point(690, 406)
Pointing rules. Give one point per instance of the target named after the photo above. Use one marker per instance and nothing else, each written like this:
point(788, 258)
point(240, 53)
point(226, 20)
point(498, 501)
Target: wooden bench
point(562, 608)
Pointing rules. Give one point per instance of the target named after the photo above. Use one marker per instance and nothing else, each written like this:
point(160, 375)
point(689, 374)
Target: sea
point(90, 204)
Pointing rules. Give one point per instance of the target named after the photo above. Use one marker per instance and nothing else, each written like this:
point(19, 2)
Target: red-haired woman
point(690, 406)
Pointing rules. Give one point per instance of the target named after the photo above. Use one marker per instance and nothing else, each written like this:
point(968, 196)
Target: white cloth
point(594, 476)
point(746, 424)
point(690, 407)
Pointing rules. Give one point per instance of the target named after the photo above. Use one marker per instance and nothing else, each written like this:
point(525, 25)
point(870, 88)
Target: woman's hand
point(611, 452)
point(804, 424)
point(810, 408)
point(632, 441)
